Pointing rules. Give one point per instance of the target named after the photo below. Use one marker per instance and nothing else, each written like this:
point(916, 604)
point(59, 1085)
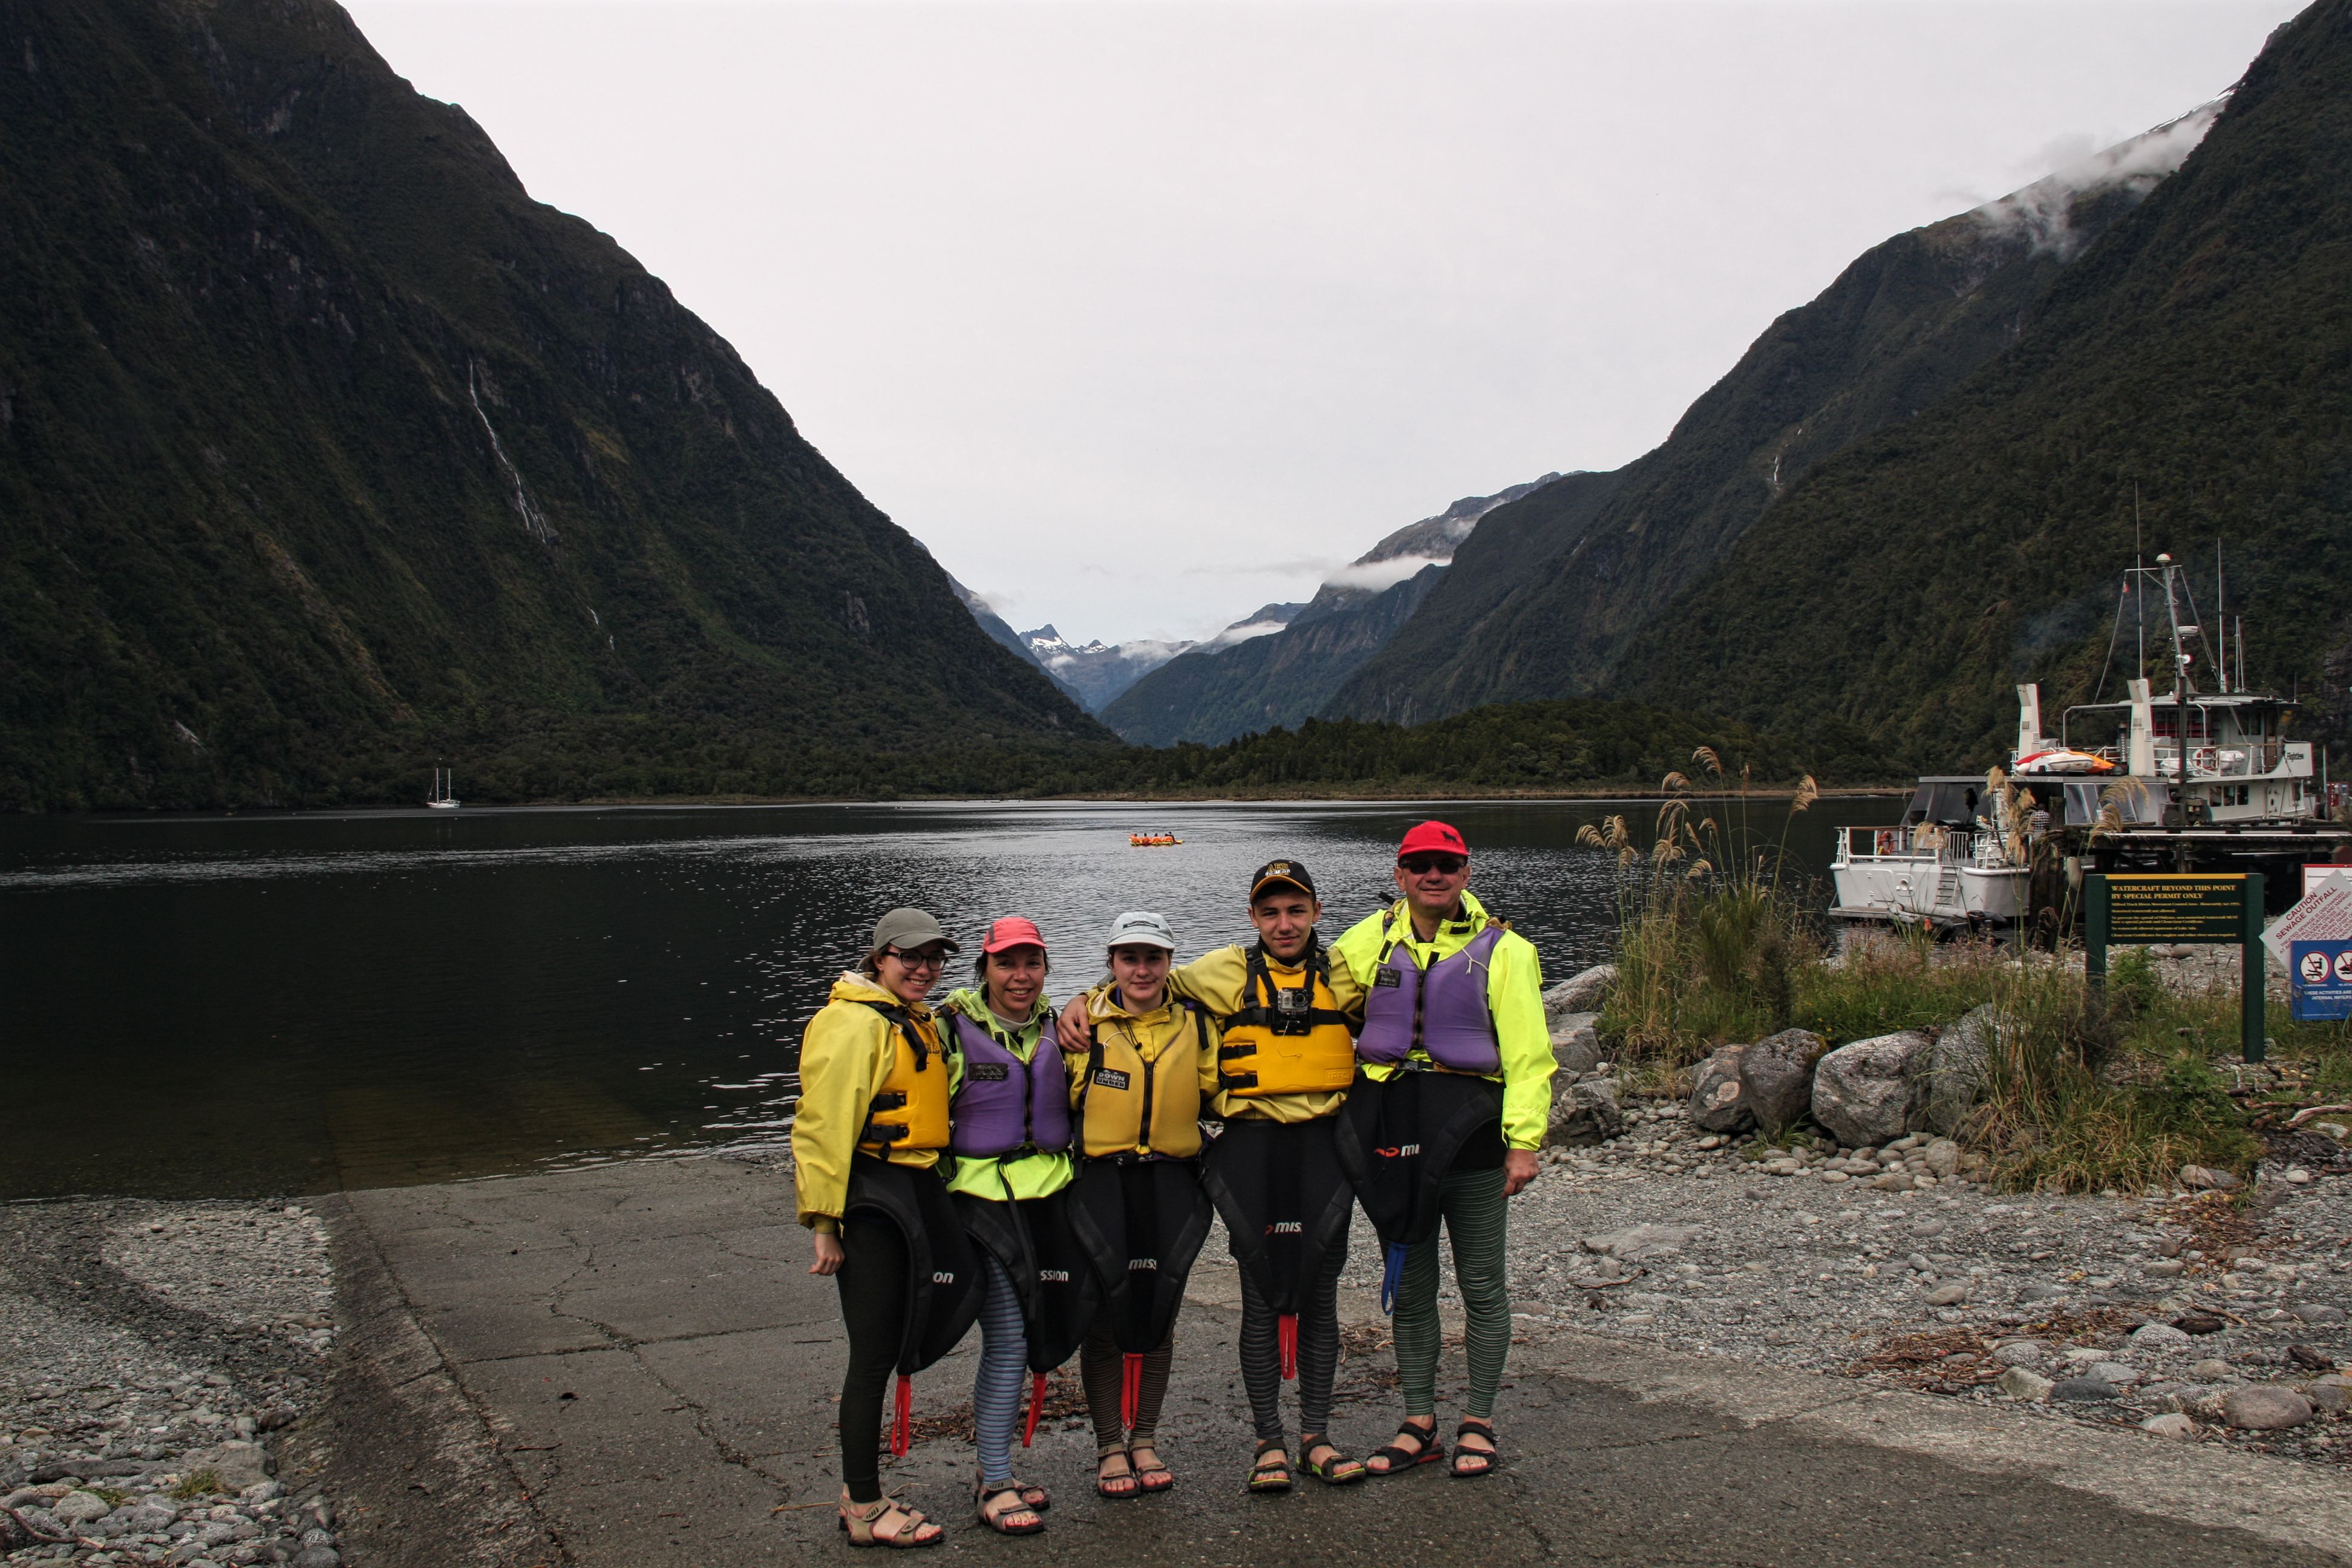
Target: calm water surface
point(202, 1005)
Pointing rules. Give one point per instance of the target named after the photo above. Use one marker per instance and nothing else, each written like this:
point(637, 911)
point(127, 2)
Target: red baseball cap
point(1012, 931)
point(1434, 838)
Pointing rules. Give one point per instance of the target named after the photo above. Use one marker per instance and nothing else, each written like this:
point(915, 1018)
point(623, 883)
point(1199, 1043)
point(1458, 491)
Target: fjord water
point(291, 1003)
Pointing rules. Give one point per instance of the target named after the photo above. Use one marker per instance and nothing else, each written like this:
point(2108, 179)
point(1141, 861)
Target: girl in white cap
point(1139, 1069)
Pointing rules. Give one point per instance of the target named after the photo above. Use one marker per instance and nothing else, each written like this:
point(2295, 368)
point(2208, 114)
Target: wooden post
point(2251, 1040)
point(2094, 937)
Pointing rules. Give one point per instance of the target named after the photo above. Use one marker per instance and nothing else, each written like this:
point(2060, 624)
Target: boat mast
point(2220, 619)
point(2180, 671)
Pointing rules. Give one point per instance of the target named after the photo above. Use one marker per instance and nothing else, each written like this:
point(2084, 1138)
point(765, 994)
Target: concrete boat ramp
point(630, 1367)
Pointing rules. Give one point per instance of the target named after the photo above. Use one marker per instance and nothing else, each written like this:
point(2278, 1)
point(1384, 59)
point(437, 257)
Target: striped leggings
point(1318, 1351)
point(1104, 1370)
point(1472, 1206)
point(996, 1385)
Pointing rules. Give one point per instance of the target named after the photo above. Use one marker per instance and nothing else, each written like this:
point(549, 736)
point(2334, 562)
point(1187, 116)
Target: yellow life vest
point(1287, 1040)
point(1129, 1106)
point(910, 1109)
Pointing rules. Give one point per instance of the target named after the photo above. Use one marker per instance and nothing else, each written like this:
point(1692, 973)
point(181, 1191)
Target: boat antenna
point(2221, 654)
point(2139, 586)
point(2114, 631)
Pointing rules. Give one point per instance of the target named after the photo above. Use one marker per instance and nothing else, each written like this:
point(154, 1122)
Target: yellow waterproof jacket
point(1035, 1175)
point(1514, 994)
point(847, 1053)
point(1110, 1114)
point(1215, 981)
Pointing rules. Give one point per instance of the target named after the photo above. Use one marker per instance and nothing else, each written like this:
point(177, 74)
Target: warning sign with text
point(2176, 908)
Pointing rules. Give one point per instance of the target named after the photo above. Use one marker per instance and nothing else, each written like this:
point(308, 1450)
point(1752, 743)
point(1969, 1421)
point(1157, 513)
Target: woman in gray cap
point(866, 1139)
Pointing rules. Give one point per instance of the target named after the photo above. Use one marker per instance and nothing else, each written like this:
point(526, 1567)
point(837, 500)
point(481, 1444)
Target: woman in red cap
point(1011, 1139)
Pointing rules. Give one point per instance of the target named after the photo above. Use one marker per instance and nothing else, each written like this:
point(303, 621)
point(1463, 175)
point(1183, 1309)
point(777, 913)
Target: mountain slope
point(1221, 689)
point(1417, 672)
point(1899, 328)
point(324, 449)
point(2202, 352)
point(1000, 631)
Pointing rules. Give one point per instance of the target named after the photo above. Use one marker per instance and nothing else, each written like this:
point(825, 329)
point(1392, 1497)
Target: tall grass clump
point(1710, 939)
point(2056, 1118)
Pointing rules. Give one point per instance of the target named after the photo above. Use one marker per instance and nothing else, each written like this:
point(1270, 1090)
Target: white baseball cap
point(1140, 927)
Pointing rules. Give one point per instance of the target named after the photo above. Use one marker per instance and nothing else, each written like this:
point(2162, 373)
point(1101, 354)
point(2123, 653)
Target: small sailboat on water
point(439, 798)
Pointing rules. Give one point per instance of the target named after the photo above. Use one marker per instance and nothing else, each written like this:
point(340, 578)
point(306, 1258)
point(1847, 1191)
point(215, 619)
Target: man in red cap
point(1445, 1123)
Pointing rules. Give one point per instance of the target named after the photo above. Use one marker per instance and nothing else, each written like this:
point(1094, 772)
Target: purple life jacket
point(1442, 1009)
point(1007, 1105)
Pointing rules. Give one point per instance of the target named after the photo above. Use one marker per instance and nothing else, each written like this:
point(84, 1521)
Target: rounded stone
point(2264, 1407)
point(2171, 1425)
point(2082, 1389)
point(2021, 1352)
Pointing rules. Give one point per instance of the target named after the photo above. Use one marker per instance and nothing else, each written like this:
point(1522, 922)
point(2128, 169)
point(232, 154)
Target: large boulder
point(1955, 1069)
point(1869, 1091)
point(1717, 1102)
point(236, 1465)
point(1582, 993)
point(1584, 1113)
point(1575, 1044)
point(1776, 1078)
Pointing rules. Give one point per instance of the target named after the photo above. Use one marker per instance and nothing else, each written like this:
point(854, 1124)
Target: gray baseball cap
point(905, 928)
point(1140, 927)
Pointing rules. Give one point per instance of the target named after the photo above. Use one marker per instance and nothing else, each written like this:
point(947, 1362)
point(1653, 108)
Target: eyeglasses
point(929, 958)
point(1415, 865)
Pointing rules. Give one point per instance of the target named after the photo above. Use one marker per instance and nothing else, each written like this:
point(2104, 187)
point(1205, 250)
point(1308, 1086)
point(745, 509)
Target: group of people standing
point(1047, 1175)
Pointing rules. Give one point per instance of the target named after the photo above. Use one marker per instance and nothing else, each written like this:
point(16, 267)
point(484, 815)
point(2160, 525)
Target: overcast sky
point(1142, 314)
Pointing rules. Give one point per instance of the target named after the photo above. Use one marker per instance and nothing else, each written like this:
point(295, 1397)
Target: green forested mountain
point(324, 450)
point(2200, 353)
point(1907, 321)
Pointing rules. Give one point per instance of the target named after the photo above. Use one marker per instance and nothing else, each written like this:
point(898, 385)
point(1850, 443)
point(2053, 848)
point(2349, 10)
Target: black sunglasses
point(1415, 864)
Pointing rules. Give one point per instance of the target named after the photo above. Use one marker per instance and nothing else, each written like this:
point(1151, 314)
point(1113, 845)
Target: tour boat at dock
point(2192, 780)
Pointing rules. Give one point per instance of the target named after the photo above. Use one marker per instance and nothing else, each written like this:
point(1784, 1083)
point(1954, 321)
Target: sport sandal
point(1339, 1470)
point(1396, 1461)
point(862, 1522)
point(1006, 1519)
point(1154, 1476)
point(1482, 1461)
point(1118, 1485)
point(1271, 1471)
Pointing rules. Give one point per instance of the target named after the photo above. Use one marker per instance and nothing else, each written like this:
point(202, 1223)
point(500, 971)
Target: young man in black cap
point(1287, 1017)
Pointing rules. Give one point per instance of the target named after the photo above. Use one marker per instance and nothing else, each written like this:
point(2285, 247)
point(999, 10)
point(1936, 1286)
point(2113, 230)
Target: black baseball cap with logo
point(1282, 874)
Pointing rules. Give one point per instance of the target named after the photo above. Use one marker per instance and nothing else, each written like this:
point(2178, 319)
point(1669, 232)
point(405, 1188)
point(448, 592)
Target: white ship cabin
point(2219, 758)
point(1949, 861)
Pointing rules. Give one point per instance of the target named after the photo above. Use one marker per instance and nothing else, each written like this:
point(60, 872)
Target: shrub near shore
point(1718, 945)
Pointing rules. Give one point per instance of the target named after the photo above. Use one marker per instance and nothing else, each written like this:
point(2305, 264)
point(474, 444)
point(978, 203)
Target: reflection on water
point(289, 1004)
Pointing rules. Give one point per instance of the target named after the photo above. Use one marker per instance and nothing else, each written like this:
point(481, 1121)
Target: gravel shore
point(2057, 1307)
point(150, 1356)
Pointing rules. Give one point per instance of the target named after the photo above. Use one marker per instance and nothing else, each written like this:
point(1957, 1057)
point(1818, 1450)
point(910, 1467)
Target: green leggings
point(1472, 1207)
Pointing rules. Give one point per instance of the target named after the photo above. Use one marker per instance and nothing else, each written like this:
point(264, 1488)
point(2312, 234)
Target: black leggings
point(1319, 1350)
point(874, 1306)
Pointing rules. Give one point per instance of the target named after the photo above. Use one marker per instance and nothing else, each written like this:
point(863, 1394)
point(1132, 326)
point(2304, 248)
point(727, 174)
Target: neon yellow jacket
point(1514, 994)
point(846, 1052)
point(1214, 980)
point(1033, 1176)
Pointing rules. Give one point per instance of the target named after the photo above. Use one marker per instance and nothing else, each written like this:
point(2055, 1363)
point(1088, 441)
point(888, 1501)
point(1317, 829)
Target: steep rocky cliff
point(325, 451)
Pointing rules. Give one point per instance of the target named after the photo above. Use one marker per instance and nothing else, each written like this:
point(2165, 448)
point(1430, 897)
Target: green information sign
point(2187, 907)
point(2176, 909)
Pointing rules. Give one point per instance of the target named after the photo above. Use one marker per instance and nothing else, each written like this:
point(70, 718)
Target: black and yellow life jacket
point(1128, 1106)
point(1291, 1040)
point(909, 1108)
